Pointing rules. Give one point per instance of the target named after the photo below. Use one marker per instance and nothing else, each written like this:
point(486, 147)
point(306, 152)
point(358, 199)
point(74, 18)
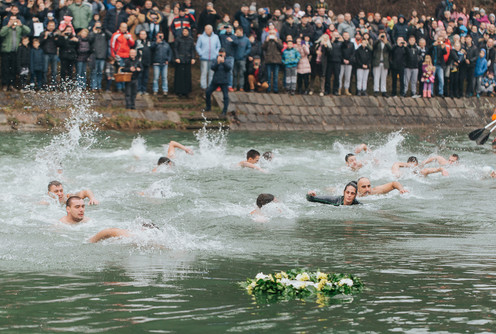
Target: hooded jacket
point(208, 47)
point(481, 65)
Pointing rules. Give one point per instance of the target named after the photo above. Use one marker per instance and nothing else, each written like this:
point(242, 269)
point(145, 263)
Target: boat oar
point(477, 133)
point(484, 137)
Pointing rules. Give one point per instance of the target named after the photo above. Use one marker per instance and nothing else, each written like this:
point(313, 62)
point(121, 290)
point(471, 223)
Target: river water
point(427, 258)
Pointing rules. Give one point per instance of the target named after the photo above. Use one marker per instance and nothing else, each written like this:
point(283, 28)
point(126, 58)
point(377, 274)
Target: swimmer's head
point(364, 187)
point(150, 226)
point(412, 161)
point(348, 156)
point(75, 208)
point(264, 199)
point(350, 193)
point(253, 156)
point(55, 189)
point(454, 158)
point(268, 155)
point(164, 160)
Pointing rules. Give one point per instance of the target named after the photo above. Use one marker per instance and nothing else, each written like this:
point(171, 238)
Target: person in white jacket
point(207, 47)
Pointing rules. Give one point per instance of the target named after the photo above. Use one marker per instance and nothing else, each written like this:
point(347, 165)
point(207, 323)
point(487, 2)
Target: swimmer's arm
point(440, 160)
point(88, 194)
point(396, 168)
point(385, 188)
point(250, 165)
point(361, 147)
point(427, 171)
point(171, 152)
point(109, 233)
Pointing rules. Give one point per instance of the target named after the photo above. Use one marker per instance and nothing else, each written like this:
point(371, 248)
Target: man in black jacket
point(437, 52)
point(48, 41)
point(99, 45)
point(348, 50)
point(145, 55)
point(411, 68)
point(334, 58)
point(221, 79)
point(114, 18)
point(133, 65)
point(398, 61)
point(471, 54)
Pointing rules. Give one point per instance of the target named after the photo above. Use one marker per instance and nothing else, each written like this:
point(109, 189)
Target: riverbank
point(254, 112)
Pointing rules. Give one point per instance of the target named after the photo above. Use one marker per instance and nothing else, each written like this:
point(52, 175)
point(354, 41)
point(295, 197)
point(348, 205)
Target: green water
point(427, 258)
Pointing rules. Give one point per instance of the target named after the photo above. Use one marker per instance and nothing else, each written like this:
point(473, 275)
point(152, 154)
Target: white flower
point(303, 277)
point(346, 281)
point(321, 276)
point(253, 284)
point(261, 276)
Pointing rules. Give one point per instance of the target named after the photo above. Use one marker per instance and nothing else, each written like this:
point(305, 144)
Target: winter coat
point(243, 48)
point(346, 27)
point(83, 49)
point(287, 30)
point(99, 44)
point(229, 46)
point(376, 55)
point(290, 58)
point(119, 45)
point(335, 54)
point(363, 56)
point(272, 51)
point(49, 44)
point(427, 74)
point(67, 48)
point(221, 73)
point(181, 22)
point(307, 30)
point(262, 77)
point(347, 49)
point(128, 63)
point(256, 49)
point(208, 47)
point(205, 19)
point(144, 52)
point(37, 60)
point(184, 49)
point(481, 65)
point(437, 53)
point(113, 20)
point(400, 30)
point(412, 56)
point(472, 55)
point(398, 57)
point(23, 57)
point(6, 35)
point(161, 53)
point(304, 63)
point(81, 14)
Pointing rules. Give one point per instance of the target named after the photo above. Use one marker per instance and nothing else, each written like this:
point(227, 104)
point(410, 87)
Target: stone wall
point(268, 112)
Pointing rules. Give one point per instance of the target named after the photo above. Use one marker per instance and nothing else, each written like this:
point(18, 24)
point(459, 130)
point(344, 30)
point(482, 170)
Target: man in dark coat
point(398, 62)
point(133, 65)
point(221, 79)
point(114, 18)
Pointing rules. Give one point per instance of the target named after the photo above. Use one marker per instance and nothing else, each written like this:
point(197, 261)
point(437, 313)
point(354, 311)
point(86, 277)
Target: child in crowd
point(303, 69)
point(37, 65)
point(290, 59)
point(488, 83)
point(428, 75)
point(480, 70)
point(24, 61)
point(109, 72)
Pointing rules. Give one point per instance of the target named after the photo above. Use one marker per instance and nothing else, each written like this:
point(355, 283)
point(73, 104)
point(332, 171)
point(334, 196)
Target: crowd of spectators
point(311, 50)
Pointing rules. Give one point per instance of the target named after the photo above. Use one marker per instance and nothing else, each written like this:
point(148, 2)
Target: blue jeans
point(51, 60)
point(440, 79)
point(97, 73)
point(160, 70)
point(81, 73)
point(206, 73)
point(272, 75)
point(239, 73)
point(230, 61)
point(143, 79)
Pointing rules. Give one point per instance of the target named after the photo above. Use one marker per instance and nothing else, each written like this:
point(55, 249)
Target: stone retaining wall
point(268, 112)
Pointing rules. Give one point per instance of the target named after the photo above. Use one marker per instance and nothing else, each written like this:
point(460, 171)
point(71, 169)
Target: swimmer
point(361, 147)
point(56, 190)
point(348, 198)
point(412, 162)
point(365, 188)
point(453, 159)
point(351, 161)
point(171, 154)
point(75, 211)
point(117, 233)
point(252, 158)
point(268, 155)
point(262, 200)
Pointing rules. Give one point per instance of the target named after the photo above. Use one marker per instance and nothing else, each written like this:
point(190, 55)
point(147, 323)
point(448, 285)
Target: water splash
point(79, 129)
point(212, 143)
point(138, 147)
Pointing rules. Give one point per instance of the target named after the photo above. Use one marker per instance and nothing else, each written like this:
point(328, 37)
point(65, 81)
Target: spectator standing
point(143, 46)
point(428, 77)
point(183, 21)
point(184, 54)
point(471, 56)
point(83, 55)
point(303, 69)
point(272, 48)
point(229, 42)
point(400, 29)
point(363, 61)
point(348, 50)
point(37, 66)
point(289, 28)
point(82, 15)
point(208, 16)
point(132, 64)
point(244, 19)
point(136, 21)
point(11, 35)
point(457, 56)
point(243, 49)
point(114, 17)
point(319, 62)
point(290, 59)
point(380, 62)
point(48, 40)
point(257, 78)
point(411, 68)
point(24, 62)
point(398, 62)
point(480, 70)
point(109, 72)
point(67, 44)
point(437, 52)
point(121, 43)
point(162, 55)
point(207, 47)
point(99, 46)
point(334, 59)
point(221, 79)
point(347, 26)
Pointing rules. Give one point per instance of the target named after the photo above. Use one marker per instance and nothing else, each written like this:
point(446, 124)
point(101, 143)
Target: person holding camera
point(398, 62)
point(99, 46)
point(208, 16)
point(11, 35)
point(48, 41)
point(68, 44)
point(121, 43)
point(437, 52)
point(272, 48)
point(380, 62)
point(161, 56)
point(221, 70)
